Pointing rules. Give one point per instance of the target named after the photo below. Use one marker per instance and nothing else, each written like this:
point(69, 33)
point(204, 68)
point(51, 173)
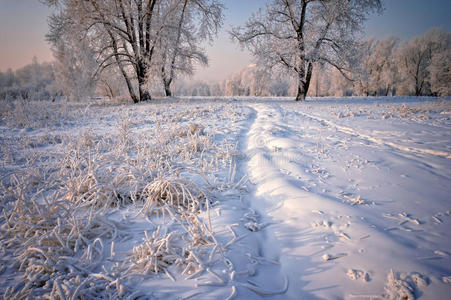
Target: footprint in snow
point(358, 275)
point(327, 257)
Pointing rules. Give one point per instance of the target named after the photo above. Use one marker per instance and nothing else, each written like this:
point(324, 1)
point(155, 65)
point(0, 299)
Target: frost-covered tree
point(424, 62)
point(121, 33)
point(279, 87)
point(440, 67)
point(387, 76)
point(374, 68)
point(321, 81)
point(128, 34)
point(257, 82)
point(295, 34)
point(250, 81)
point(340, 86)
point(75, 63)
point(189, 24)
point(359, 62)
point(415, 58)
point(111, 84)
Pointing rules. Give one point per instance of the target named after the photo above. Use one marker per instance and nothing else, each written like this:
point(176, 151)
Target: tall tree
point(374, 66)
point(415, 59)
point(191, 23)
point(425, 61)
point(75, 63)
point(125, 34)
point(440, 67)
point(387, 75)
point(295, 34)
point(120, 33)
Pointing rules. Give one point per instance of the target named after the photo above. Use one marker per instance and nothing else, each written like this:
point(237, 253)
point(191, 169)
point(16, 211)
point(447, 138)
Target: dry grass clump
point(158, 252)
point(21, 113)
point(57, 210)
point(197, 230)
point(124, 128)
point(6, 106)
point(176, 193)
point(192, 129)
point(198, 144)
point(38, 114)
point(55, 249)
point(179, 248)
point(98, 178)
point(422, 112)
point(100, 188)
point(89, 192)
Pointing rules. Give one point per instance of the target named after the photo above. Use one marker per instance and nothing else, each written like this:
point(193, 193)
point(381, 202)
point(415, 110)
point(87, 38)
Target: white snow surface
point(332, 198)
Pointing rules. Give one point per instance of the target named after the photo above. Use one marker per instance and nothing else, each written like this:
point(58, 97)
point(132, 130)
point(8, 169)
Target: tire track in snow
point(351, 131)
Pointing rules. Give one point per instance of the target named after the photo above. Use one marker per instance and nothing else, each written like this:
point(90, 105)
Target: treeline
point(421, 66)
point(35, 81)
point(387, 67)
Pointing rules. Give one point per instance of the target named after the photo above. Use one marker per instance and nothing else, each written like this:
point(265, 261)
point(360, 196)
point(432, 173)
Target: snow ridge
point(328, 249)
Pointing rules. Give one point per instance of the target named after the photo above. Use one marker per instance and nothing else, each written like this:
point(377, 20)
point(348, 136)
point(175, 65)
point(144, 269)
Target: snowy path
point(343, 216)
point(327, 199)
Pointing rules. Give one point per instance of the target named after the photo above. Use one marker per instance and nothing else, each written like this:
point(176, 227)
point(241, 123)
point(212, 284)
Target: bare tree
point(75, 64)
point(191, 23)
point(415, 58)
point(440, 66)
point(374, 67)
point(387, 76)
point(128, 35)
point(295, 34)
point(424, 61)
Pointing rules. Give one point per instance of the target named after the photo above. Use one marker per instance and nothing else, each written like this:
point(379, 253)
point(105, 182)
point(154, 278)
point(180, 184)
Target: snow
point(344, 197)
point(328, 199)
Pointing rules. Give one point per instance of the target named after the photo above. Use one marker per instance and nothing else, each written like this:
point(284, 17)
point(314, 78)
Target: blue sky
point(409, 18)
point(403, 18)
point(23, 24)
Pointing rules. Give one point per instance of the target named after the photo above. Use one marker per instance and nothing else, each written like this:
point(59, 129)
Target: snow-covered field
point(226, 198)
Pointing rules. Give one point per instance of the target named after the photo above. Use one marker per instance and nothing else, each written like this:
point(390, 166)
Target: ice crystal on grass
point(176, 193)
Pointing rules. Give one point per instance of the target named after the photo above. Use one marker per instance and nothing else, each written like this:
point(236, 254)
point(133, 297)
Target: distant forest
point(387, 67)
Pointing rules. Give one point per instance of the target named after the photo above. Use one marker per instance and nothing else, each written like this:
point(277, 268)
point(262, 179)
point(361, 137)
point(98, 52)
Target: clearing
point(242, 198)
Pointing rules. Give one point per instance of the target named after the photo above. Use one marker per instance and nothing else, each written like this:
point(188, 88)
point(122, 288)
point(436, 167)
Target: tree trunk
point(301, 92)
point(141, 71)
point(144, 94)
point(108, 89)
point(167, 81)
point(304, 83)
point(417, 89)
point(167, 87)
point(131, 91)
point(129, 86)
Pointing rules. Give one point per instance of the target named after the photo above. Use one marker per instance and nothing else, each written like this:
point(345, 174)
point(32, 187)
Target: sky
point(23, 25)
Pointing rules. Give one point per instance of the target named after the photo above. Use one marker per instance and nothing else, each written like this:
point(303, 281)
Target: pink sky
point(23, 24)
